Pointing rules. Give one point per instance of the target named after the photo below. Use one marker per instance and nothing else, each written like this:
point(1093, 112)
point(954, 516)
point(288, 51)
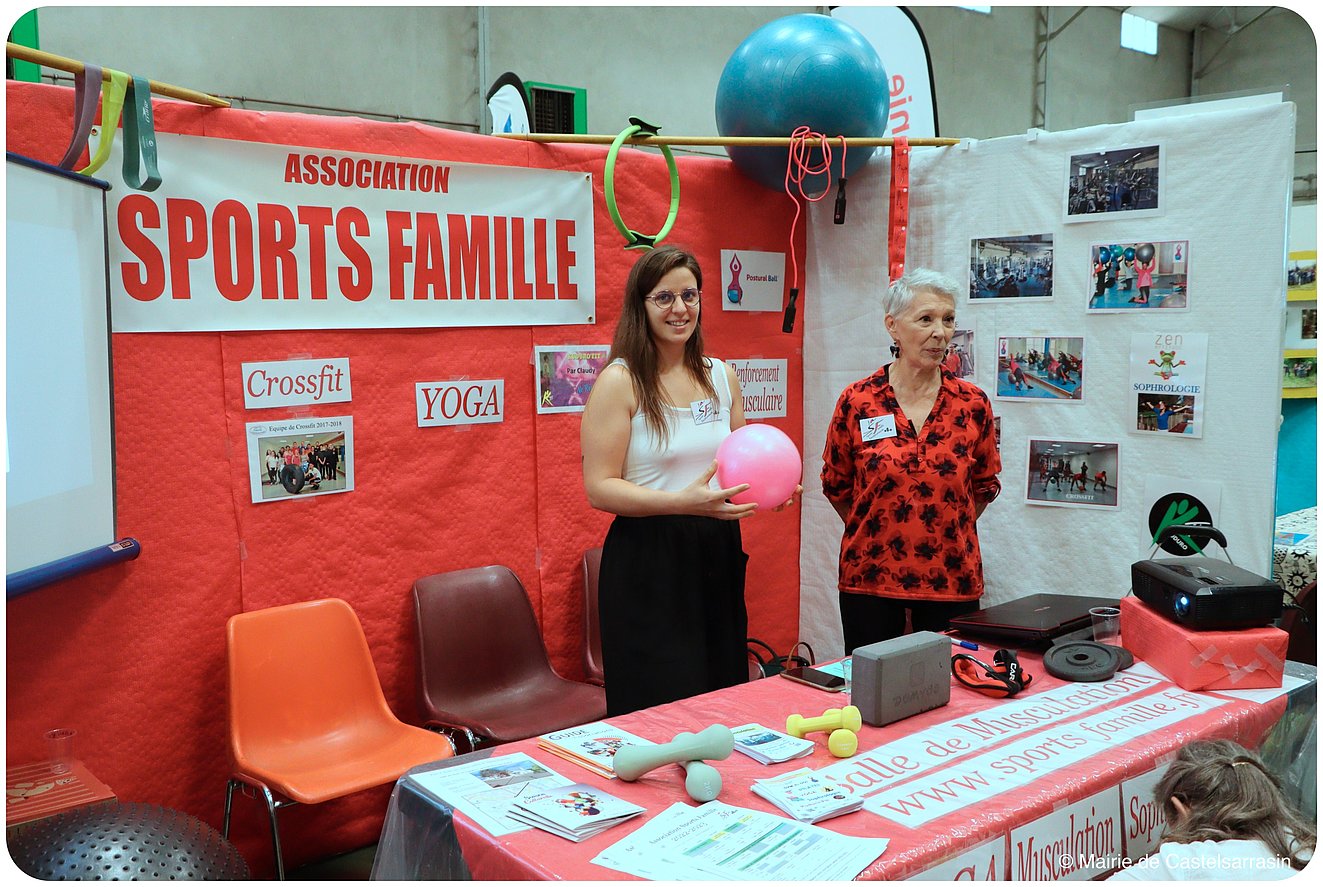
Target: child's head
point(1217, 790)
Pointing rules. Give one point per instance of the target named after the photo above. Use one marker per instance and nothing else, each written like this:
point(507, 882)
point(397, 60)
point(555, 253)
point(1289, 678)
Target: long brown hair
point(1230, 794)
point(633, 341)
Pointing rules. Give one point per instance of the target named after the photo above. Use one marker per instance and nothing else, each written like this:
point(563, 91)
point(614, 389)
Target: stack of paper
point(573, 811)
point(768, 746)
point(591, 746)
point(805, 796)
point(716, 842)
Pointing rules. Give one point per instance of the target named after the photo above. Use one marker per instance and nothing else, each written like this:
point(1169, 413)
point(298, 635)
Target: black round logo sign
point(1172, 510)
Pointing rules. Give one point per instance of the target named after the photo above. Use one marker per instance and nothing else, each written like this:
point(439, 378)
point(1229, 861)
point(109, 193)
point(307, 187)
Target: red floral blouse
point(910, 500)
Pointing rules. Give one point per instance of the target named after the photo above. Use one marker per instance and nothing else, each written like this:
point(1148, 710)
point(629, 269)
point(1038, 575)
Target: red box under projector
point(1239, 659)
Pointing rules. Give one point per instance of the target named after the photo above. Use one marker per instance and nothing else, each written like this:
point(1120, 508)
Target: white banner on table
point(484, 790)
point(1141, 814)
point(986, 862)
point(255, 236)
point(763, 384)
point(1014, 766)
point(938, 746)
point(1075, 843)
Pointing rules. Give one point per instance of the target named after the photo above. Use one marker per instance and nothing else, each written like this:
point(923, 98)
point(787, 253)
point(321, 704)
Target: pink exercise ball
point(765, 458)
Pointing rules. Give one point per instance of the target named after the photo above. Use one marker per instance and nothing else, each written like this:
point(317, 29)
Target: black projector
point(1204, 594)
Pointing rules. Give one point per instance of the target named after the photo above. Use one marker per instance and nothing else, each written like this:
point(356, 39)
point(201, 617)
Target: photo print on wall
point(1140, 275)
point(297, 458)
point(1011, 267)
point(1167, 373)
point(1073, 474)
point(960, 355)
point(1040, 368)
point(1119, 183)
point(565, 374)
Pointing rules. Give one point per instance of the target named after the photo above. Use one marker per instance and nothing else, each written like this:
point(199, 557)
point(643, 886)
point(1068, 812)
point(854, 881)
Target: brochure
point(575, 811)
point(805, 796)
point(768, 746)
point(485, 789)
point(717, 842)
point(591, 746)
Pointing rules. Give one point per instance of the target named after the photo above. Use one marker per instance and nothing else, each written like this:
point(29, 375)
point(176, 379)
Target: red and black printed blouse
point(911, 499)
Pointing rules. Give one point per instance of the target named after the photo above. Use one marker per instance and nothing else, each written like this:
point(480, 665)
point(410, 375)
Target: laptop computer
point(1032, 621)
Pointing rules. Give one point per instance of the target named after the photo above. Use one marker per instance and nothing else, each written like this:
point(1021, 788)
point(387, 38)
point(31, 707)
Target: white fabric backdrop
point(1225, 188)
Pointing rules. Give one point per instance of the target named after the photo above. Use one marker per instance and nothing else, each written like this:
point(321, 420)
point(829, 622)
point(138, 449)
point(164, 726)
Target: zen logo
point(468, 402)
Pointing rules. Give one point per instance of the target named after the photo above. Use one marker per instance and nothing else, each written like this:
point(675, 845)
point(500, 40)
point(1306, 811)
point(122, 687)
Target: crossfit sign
point(289, 383)
point(251, 236)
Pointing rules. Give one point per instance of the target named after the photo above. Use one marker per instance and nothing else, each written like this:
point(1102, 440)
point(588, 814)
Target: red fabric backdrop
point(133, 657)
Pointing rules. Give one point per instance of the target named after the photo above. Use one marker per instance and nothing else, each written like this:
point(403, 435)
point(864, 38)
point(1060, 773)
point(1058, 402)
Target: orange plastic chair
point(592, 630)
point(308, 720)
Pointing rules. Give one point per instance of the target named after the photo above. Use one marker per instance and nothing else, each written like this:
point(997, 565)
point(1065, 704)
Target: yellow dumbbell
point(843, 724)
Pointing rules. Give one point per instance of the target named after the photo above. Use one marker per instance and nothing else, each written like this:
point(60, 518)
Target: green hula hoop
point(633, 239)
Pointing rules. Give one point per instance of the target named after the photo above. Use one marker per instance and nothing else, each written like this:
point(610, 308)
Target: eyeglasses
point(666, 298)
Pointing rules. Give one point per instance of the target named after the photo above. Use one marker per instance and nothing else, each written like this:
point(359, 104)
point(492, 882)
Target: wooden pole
point(767, 141)
point(73, 66)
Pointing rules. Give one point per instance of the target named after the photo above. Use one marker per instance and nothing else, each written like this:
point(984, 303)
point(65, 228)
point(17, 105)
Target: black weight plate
point(1082, 661)
point(1127, 658)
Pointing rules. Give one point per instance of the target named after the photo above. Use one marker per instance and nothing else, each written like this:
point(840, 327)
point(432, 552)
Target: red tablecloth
point(959, 824)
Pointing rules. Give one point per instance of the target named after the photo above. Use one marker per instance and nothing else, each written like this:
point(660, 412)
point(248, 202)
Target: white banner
point(1076, 843)
point(253, 236)
point(1017, 764)
point(1141, 814)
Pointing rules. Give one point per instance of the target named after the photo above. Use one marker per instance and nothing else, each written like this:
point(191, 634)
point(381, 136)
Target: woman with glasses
point(671, 587)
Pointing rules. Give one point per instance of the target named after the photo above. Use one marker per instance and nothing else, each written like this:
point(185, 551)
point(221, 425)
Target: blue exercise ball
point(802, 70)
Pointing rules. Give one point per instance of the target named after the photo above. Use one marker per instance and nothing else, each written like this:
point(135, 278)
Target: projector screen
point(59, 436)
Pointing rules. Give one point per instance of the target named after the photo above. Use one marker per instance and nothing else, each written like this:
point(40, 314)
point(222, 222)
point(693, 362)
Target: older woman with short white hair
point(910, 463)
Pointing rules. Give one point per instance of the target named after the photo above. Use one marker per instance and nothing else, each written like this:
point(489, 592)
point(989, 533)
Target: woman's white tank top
point(696, 432)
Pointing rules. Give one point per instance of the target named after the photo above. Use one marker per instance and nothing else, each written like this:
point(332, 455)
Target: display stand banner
point(254, 236)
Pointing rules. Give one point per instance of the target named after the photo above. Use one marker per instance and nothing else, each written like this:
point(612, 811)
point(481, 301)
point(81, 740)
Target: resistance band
point(633, 239)
point(112, 103)
point(799, 167)
point(900, 205)
point(140, 137)
point(87, 86)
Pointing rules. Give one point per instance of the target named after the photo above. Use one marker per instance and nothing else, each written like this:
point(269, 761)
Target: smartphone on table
point(814, 678)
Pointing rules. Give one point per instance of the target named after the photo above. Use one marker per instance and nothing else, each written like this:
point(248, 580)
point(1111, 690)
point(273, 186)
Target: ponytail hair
point(1229, 793)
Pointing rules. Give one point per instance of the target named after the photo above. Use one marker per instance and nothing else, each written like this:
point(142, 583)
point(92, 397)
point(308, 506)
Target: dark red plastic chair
point(592, 631)
point(483, 668)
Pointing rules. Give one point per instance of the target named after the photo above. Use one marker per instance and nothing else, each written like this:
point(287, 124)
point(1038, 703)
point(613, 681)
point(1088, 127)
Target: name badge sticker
point(877, 428)
point(705, 411)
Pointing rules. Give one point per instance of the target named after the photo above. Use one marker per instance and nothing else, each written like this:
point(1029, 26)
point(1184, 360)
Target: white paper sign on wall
point(288, 383)
point(464, 402)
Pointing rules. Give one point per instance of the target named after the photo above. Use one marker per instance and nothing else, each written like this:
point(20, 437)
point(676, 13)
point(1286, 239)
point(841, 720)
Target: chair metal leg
point(272, 805)
point(229, 798)
point(275, 832)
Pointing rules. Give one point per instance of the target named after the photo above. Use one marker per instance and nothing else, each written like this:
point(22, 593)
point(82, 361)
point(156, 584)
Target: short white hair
point(908, 285)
